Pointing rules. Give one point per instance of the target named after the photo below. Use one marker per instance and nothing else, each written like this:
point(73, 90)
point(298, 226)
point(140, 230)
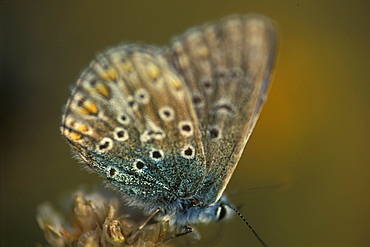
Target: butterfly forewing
point(130, 118)
point(226, 66)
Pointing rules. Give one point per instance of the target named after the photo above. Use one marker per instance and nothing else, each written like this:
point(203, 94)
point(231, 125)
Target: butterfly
point(166, 126)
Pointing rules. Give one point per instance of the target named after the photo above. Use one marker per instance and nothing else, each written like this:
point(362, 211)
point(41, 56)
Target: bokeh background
point(304, 178)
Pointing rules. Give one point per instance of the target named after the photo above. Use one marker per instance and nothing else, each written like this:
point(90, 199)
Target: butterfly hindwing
point(226, 66)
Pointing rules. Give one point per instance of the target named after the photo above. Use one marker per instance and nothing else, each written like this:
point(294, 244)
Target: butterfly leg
point(142, 225)
point(185, 231)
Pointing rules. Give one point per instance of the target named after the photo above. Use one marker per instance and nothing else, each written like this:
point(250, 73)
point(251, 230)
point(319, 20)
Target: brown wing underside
point(227, 66)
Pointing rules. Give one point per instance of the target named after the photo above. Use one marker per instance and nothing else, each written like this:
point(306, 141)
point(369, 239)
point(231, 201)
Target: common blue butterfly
point(166, 126)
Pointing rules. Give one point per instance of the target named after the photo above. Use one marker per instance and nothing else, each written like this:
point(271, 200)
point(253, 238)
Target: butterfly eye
point(222, 212)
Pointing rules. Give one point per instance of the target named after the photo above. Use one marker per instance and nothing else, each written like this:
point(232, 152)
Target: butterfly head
point(184, 212)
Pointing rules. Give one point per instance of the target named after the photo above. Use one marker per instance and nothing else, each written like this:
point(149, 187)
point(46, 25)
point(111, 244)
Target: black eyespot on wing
point(80, 102)
point(105, 144)
point(167, 113)
point(213, 133)
point(120, 134)
point(156, 155)
point(93, 83)
point(123, 119)
point(207, 83)
point(140, 165)
point(112, 171)
point(197, 100)
point(186, 128)
point(188, 152)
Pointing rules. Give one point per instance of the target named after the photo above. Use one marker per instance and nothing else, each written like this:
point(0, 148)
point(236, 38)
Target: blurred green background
point(304, 178)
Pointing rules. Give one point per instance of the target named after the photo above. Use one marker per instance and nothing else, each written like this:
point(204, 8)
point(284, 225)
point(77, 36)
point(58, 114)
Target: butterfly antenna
point(250, 227)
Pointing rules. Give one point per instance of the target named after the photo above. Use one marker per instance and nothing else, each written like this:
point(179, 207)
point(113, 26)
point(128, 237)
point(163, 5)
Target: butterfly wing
point(130, 118)
point(227, 68)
